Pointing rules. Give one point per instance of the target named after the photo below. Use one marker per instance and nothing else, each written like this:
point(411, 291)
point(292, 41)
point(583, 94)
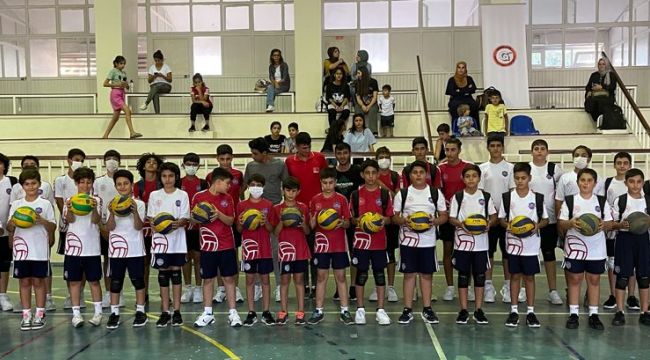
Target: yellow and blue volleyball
point(419, 221)
point(202, 212)
point(328, 219)
point(476, 224)
point(24, 217)
point(589, 224)
point(121, 205)
point(162, 223)
point(251, 219)
point(81, 204)
point(291, 217)
point(371, 223)
point(639, 222)
point(522, 226)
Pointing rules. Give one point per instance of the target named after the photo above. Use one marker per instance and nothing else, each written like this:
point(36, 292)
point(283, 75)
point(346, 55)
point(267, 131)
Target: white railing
point(17, 107)
point(221, 95)
point(567, 97)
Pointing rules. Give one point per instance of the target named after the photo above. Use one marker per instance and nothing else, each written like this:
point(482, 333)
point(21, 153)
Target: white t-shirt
point(278, 73)
point(125, 241)
point(177, 204)
point(104, 188)
point(360, 141)
point(418, 200)
point(82, 236)
point(33, 243)
point(165, 69)
point(581, 247)
point(543, 183)
point(616, 189)
point(45, 191)
point(496, 179)
point(568, 185)
point(471, 204)
point(386, 105)
point(522, 206)
point(64, 188)
point(632, 205)
point(5, 202)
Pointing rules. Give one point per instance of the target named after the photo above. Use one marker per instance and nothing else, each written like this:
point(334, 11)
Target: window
point(142, 19)
point(237, 18)
point(640, 10)
point(640, 55)
point(579, 48)
point(546, 49)
point(436, 13)
point(613, 11)
point(14, 23)
point(72, 20)
point(547, 11)
point(374, 15)
point(207, 55)
point(581, 11)
point(42, 21)
point(377, 46)
point(619, 45)
point(170, 18)
point(267, 17)
point(288, 17)
point(206, 17)
point(466, 13)
point(73, 58)
point(404, 14)
point(142, 56)
point(13, 56)
point(43, 57)
point(340, 15)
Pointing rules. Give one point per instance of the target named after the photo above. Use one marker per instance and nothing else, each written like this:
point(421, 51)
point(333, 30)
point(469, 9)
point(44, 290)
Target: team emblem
point(40, 191)
point(247, 266)
point(224, 203)
point(8, 191)
point(430, 199)
point(548, 176)
point(378, 202)
point(178, 203)
point(235, 181)
point(287, 267)
point(481, 202)
point(531, 205)
point(337, 205)
point(504, 173)
point(355, 260)
point(597, 208)
point(38, 210)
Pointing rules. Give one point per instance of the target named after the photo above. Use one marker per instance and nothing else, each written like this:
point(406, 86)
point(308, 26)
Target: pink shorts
point(117, 99)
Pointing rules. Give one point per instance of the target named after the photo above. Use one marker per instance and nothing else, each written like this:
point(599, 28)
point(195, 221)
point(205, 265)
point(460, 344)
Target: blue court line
point(570, 348)
point(91, 343)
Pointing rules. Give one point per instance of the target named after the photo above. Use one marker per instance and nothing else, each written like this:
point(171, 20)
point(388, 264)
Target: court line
point(566, 345)
point(40, 335)
point(90, 343)
point(436, 343)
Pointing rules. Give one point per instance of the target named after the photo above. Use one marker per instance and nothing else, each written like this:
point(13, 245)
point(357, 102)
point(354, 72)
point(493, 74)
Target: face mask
point(76, 165)
point(111, 165)
point(580, 162)
point(384, 163)
point(256, 191)
point(191, 170)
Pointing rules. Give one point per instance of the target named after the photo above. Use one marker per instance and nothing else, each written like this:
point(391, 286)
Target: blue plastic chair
point(522, 125)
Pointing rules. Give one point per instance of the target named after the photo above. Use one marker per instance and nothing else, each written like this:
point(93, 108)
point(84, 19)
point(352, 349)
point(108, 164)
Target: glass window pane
point(640, 10)
point(13, 54)
point(613, 11)
point(374, 15)
point(142, 19)
point(72, 20)
point(43, 58)
point(92, 57)
point(73, 58)
point(170, 18)
point(42, 21)
point(377, 46)
point(466, 13)
point(41, 2)
point(581, 11)
point(91, 20)
point(14, 23)
point(340, 15)
point(640, 46)
point(207, 55)
point(168, 1)
point(288, 17)
point(619, 45)
point(579, 48)
point(142, 56)
point(267, 17)
point(15, 2)
point(206, 17)
point(404, 14)
point(546, 49)
point(72, 2)
point(436, 13)
point(237, 18)
point(547, 11)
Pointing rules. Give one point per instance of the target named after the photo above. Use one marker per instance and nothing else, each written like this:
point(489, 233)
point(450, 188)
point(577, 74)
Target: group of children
point(495, 122)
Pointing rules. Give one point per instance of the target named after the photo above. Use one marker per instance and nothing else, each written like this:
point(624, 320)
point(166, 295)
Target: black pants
point(595, 105)
point(198, 108)
point(331, 115)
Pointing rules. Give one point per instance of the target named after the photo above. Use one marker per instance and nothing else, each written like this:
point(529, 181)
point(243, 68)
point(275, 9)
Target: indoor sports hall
point(570, 72)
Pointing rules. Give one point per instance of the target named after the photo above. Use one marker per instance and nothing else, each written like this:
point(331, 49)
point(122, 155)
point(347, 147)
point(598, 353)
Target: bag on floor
point(613, 118)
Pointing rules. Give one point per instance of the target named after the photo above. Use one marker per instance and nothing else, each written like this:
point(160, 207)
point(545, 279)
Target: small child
point(496, 116)
point(444, 134)
point(290, 142)
point(116, 80)
point(386, 111)
point(275, 139)
point(465, 123)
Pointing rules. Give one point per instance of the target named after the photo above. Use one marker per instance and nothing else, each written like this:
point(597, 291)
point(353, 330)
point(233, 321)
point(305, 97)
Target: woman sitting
point(359, 137)
point(333, 62)
point(337, 93)
point(460, 88)
point(201, 103)
point(160, 81)
point(600, 91)
point(279, 77)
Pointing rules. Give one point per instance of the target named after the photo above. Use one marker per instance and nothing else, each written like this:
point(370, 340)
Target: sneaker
point(505, 294)
point(38, 322)
point(140, 319)
point(512, 320)
point(251, 319)
point(77, 321)
point(204, 319)
point(238, 297)
point(267, 318)
point(144, 106)
point(96, 320)
point(336, 297)
point(463, 317)
point(633, 303)
point(270, 108)
point(479, 317)
point(644, 319)
point(277, 294)
point(220, 296)
point(106, 300)
point(67, 304)
point(234, 320)
point(5, 303)
point(406, 317)
point(595, 323)
point(300, 318)
point(49, 304)
point(187, 294)
point(164, 320)
point(470, 294)
point(191, 129)
point(346, 318)
point(610, 303)
point(373, 295)
point(281, 318)
point(352, 294)
point(449, 294)
point(177, 319)
point(257, 293)
point(113, 321)
point(26, 323)
point(522, 295)
point(197, 295)
point(572, 322)
point(619, 319)
point(490, 294)
point(205, 128)
point(392, 294)
point(429, 316)
point(382, 318)
point(531, 321)
point(555, 299)
point(360, 316)
point(315, 318)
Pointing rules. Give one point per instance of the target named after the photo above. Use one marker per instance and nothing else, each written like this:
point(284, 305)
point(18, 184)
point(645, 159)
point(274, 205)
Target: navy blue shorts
point(31, 269)
point(392, 242)
point(75, 267)
point(387, 121)
point(294, 267)
point(192, 239)
point(446, 232)
point(497, 236)
point(236, 236)
point(548, 241)
point(522, 264)
point(164, 261)
point(257, 266)
point(611, 247)
point(117, 267)
point(596, 267)
point(336, 261)
point(417, 260)
point(5, 254)
point(215, 263)
point(362, 259)
point(470, 262)
point(632, 254)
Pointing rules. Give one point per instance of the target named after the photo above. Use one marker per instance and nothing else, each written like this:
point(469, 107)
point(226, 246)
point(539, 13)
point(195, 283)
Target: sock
point(530, 310)
point(514, 309)
point(574, 309)
point(232, 311)
point(507, 283)
point(27, 311)
point(115, 309)
point(408, 309)
point(208, 310)
point(426, 308)
point(344, 309)
point(221, 288)
point(320, 310)
point(488, 283)
point(450, 287)
point(139, 308)
point(40, 312)
point(98, 307)
point(76, 311)
point(593, 310)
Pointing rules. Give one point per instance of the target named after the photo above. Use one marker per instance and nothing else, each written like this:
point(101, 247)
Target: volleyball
point(476, 224)
point(24, 217)
point(81, 204)
point(328, 219)
point(251, 219)
point(121, 205)
point(589, 224)
point(371, 222)
point(162, 223)
point(522, 226)
point(639, 222)
point(419, 221)
point(202, 212)
point(291, 217)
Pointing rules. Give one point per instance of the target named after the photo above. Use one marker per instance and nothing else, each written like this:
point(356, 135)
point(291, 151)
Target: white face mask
point(112, 165)
point(191, 170)
point(76, 165)
point(256, 191)
point(580, 162)
point(383, 163)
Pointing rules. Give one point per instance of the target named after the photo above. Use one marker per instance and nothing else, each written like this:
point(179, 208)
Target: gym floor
point(330, 339)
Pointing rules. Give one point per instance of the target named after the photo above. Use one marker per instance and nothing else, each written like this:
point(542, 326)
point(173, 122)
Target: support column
point(308, 37)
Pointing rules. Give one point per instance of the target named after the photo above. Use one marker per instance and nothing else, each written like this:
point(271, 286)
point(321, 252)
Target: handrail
point(290, 94)
point(15, 97)
point(424, 110)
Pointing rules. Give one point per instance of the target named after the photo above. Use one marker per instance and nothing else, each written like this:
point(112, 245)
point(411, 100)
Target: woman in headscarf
point(600, 91)
point(460, 88)
point(362, 61)
point(335, 61)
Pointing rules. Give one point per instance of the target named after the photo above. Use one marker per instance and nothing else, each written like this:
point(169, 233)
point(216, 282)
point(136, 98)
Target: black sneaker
point(336, 295)
point(610, 303)
point(205, 128)
point(512, 320)
point(463, 317)
point(113, 321)
point(479, 317)
point(315, 318)
point(572, 322)
point(429, 316)
point(300, 318)
point(251, 319)
point(644, 319)
point(595, 323)
point(633, 303)
point(191, 129)
point(346, 318)
point(140, 319)
point(164, 320)
point(267, 318)
point(352, 294)
point(177, 319)
point(619, 319)
point(406, 317)
point(531, 321)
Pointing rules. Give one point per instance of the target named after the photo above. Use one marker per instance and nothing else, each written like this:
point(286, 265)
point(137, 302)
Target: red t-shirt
point(216, 231)
point(370, 201)
point(255, 244)
point(308, 173)
point(452, 179)
point(235, 184)
point(292, 243)
point(191, 186)
point(437, 182)
point(387, 179)
point(149, 187)
point(196, 94)
point(330, 241)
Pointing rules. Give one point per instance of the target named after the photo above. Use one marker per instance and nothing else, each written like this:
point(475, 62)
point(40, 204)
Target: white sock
point(40, 312)
point(531, 309)
point(76, 310)
point(27, 311)
point(451, 287)
point(232, 311)
point(574, 309)
point(98, 307)
point(344, 309)
point(320, 310)
point(3, 294)
point(221, 288)
point(115, 309)
point(514, 309)
point(48, 296)
point(208, 310)
point(593, 310)
point(139, 308)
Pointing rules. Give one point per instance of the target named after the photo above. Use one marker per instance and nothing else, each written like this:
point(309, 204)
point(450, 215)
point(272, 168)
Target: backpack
point(646, 187)
point(394, 178)
point(12, 180)
point(407, 169)
point(432, 190)
point(354, 197)
point(622, 203)
point(484, 99)
point(551, 171)
point(608, 182)
point(613, 117)
point(601, 202)
point(539, 205)
point(140, 185)
point(459, 200)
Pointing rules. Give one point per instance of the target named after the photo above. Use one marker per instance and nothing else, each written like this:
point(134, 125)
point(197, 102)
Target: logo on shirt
point(8, 191)
point(40, 191)
point(265, 211)
point(531, 205)
point(319, 206)
point(548, 176)
point(430, 199)
point(178, 203)
point(38, 210)
point(378, 202)
point(481, 202)
point(337, 205)
point(198, 187)
point(224, 204)
point(362, 201)
point(504, 173)
point(315, 170)
point(597, 208)
point(235, 181)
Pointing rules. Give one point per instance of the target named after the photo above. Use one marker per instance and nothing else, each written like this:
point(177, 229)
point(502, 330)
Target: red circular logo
point(504, 55)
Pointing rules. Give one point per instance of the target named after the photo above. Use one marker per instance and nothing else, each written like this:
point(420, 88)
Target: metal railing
point(17, 106)
point(567, 97)
point(220, 95)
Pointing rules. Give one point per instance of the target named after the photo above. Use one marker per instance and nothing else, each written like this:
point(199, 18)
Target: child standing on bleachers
point(465, 123)
point(386, 111)
point(116, 80)
point(496, 116)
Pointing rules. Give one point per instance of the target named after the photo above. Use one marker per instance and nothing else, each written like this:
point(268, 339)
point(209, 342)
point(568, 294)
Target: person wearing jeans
point(160, 80)
point(279, 77)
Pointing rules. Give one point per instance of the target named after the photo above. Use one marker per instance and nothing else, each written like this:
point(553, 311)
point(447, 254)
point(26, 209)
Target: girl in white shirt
point(160, 81)
point(359, 136)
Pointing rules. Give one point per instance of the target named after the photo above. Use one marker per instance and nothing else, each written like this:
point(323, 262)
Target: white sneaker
point(77, 321)
point(360, 316)
point(505, 294)
point(449, 294)
point(143, 107)
point(270, 108)
point(277, 293)
point(188, 291)
point(106, 300)
point(470, 294)
point(238, 297)
point(233, 319)
point(96, 320)
point(490, 293)
point(522, 295)
point(67, 303)
point(204, 319)
point(49, 304)
point(197, 296)
point(258, 292)
point(392, 295)
point(5, 303)
point(382, 318)
point(373, 295)
point(221, 294)
point(554, 298)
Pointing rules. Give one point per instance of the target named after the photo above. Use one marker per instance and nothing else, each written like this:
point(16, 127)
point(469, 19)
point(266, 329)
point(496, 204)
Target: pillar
point(308, 37)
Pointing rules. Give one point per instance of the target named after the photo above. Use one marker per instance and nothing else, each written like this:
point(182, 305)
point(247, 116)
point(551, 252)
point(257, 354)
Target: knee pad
point(163, 278)
point(548, 255)
point(463, 280)
point(621, 282)
point(117, 285)
point(138, 283)
point(610, 263)
point(177, 277)
point(479, 280)
point(362, 277)
point(380, 278)
point(644, 282)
